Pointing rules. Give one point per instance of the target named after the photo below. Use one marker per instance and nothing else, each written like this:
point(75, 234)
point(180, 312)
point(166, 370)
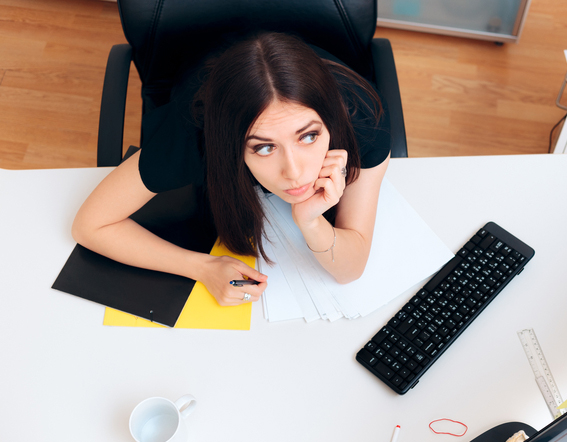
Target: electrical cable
point(551, 133)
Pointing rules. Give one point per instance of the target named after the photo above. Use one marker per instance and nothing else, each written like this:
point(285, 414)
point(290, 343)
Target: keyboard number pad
point(393, 357)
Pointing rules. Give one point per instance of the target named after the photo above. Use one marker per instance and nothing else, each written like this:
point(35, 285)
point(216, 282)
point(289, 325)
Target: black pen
point(242, 282)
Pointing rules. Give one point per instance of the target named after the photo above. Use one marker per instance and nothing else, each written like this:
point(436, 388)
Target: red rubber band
point(450, 434)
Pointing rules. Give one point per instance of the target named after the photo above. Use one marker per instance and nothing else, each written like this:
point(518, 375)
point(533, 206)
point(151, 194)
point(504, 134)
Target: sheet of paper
point(200, 311)
point(284, 306)
point(307, 268)
point(294, 287)
point(405, 251)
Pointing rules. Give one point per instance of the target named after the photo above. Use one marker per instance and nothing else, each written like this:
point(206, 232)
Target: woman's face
point(285, 149)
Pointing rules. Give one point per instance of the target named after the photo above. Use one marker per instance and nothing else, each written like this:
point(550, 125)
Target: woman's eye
point(309, 138)
point(264, 150)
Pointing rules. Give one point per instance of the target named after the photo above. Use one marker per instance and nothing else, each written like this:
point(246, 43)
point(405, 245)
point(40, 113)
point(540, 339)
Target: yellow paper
point(201, 309)
point(563, 406)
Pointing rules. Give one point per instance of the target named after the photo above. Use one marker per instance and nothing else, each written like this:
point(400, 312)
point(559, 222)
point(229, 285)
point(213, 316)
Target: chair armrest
point(387, 83)
point(113, 106)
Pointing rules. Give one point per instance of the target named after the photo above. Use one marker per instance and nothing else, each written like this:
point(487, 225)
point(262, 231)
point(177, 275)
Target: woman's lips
point(298, 191)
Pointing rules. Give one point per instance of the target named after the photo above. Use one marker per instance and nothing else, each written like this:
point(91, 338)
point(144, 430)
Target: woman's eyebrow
point(307, 125)
point(256, 137)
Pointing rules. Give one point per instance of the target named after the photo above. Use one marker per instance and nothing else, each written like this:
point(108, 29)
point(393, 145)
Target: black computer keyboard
point(404, 349)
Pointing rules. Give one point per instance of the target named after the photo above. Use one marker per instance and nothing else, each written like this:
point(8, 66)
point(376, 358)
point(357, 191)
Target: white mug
point(157, 419)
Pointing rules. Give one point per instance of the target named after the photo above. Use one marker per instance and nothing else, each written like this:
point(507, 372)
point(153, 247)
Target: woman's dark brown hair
point(241, 84)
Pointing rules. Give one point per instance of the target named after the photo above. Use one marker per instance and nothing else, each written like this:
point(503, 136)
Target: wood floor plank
point(75, 79)
point(461, 96)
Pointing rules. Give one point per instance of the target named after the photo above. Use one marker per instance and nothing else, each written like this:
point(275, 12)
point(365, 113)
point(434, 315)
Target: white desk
point(65, 377)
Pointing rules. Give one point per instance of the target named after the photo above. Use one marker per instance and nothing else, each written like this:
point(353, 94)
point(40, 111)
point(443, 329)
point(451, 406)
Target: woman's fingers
point(331, 178)
point(250, 272)
point(225, 269)
point(329, 188)
point(237, 295)
point(333, 167)
point(331, 191)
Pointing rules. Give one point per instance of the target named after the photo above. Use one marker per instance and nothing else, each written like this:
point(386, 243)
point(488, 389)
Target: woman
point(271, 111)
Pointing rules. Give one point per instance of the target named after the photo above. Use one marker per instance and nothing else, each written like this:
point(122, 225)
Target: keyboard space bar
point(443, 273)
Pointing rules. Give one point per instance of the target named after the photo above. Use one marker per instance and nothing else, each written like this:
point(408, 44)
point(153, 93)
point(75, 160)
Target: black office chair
point(164, 34)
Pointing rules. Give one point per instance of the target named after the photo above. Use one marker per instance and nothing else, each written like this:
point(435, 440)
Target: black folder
point(179, 216)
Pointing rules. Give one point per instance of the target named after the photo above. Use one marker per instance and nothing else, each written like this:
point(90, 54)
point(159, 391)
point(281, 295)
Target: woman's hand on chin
point(329, 188)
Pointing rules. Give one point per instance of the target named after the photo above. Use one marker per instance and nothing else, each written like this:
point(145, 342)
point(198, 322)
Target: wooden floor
point(460, 96)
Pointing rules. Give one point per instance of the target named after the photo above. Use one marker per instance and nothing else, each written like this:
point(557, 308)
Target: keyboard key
point(406, 325)
point(419, 357)
point(370, 346)
point(476, 239)
point(394, 322)
point(416, 300)
point(379, 352)
point(429, 347)
point(381, 335)
point(497, 245)
point(436, 339)
point(401, 315)
point(411, 350)
point(368, 357)
point(487, 241)
point(384, 370)
point(395, 366)
point(412, 365)
point(412, 333)
point(397, 380)
point(395, 352)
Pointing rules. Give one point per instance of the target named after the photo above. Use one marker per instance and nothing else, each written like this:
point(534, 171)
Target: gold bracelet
point(330, 248)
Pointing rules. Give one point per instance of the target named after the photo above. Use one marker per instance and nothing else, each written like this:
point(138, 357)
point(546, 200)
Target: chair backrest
point(164, 34)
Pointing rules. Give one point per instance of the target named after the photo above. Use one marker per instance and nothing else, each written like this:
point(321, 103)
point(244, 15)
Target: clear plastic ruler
point(541, 370)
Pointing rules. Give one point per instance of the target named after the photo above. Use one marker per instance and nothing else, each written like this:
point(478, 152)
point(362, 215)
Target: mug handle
point(186, 404)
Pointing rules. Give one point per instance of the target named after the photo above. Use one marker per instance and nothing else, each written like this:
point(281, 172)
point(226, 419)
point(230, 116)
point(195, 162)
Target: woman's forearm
point(355, 221)
point(129, 243)
point(342, 252)
point(102, 224)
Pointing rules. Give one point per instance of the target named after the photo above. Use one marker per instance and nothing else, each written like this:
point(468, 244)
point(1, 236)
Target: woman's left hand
point(329, 188)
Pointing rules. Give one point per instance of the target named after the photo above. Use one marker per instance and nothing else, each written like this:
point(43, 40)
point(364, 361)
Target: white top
point(66, 377)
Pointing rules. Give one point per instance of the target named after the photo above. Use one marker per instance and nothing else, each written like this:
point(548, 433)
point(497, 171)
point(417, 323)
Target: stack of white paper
point(404, 252)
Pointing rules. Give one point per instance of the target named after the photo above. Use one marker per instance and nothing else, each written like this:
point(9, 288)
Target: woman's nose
point(291, 168)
